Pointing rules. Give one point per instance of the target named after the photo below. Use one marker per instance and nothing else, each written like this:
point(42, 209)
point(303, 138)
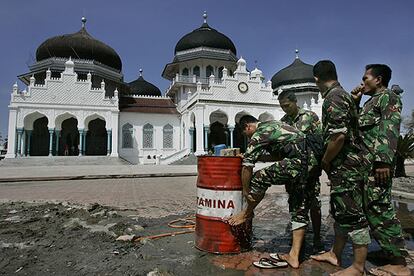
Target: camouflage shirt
point(306, 121)
point(339, 115)
point(379, 121)
point(271, 137)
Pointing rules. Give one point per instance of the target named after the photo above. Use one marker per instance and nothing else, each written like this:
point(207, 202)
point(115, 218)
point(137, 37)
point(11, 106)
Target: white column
point(19, 141)
point(11, 145)
point(231, 129)
point(23, 146)
point(206, 129)
point(115, 122)
point(199, 131)
point(81, 141)
point(51, 131)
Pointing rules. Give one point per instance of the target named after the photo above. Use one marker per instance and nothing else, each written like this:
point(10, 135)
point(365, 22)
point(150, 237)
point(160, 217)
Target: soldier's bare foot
point(389, 270)
point(237, 219)
point(349, 271)
point(329, 257)
point(292, 261)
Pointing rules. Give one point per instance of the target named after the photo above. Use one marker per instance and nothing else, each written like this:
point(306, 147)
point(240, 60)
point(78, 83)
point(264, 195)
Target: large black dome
point(205, 36)
point(141, 87)
point(79, 45)
point(297, 72)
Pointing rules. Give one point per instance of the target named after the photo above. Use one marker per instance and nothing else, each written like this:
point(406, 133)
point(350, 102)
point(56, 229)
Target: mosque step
point(62, 161)
point(189, 159)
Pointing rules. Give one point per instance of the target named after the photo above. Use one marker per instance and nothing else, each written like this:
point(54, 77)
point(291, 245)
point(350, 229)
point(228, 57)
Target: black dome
point(297, 72)
point(205, 36)
point(80, 45)
point(141, 87)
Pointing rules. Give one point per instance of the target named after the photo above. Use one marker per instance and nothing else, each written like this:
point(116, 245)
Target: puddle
point(271, 233)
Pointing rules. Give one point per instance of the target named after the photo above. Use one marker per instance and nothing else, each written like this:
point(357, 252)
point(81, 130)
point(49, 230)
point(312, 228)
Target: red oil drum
point(219, 195)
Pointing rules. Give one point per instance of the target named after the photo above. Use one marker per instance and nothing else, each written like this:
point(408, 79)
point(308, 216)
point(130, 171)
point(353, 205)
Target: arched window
point(127, 142)
point(196, 71)
point(148, 136)
point(185, 72)
point(209, 71)
point(167, 132)
point(220, 72)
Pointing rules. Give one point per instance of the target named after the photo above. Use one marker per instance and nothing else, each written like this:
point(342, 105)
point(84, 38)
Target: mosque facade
point(77, 103)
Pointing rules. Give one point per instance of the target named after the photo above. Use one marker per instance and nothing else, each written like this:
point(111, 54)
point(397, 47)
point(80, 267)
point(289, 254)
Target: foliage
point(405, 150)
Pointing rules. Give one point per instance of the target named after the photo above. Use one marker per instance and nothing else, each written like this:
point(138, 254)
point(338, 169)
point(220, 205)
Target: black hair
point(380, 70)
point(290, 95)
point(325, 70)
point(247, 119)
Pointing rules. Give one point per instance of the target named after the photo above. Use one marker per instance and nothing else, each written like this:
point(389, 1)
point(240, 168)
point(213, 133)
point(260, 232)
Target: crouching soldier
point(294, 165)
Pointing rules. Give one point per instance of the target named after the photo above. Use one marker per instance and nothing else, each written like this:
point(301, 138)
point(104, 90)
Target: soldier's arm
point(389, 128)
point(337, 126)
point(335, 144)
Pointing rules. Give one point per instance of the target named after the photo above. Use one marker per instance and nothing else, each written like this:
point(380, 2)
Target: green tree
point(405, 150)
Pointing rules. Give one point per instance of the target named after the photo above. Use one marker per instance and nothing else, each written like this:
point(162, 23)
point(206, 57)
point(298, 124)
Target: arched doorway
point(69, 141)
point(239, 140)
point(96, 138)
point(219, 133)
point(39, 142)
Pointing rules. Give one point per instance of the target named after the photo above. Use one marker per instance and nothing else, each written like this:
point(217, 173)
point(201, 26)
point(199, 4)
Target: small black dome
point(141, 87)
point(80, 45)
point(205, 36)
point(297, 72)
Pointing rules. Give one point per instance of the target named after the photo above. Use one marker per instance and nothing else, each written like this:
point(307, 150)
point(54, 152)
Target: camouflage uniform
point(349, 169)
point(308, 122)
point(380, 119)
point(278, 138)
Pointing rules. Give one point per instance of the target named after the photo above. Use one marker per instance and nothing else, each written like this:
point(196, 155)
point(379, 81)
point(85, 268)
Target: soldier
point(380, 119)
point(307, 122)
point(347, 167)
point(292, 168)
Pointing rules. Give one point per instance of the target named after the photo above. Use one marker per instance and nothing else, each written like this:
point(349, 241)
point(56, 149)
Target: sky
point(144, 33)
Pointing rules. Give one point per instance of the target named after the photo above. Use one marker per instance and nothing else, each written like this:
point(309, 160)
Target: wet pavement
point(82, 241)
point(67, 238)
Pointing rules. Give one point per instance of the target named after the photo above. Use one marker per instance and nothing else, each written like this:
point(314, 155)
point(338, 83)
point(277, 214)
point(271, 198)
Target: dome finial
point(140, 72)
point(205, 16)
point(297, 53)
point(83, 21)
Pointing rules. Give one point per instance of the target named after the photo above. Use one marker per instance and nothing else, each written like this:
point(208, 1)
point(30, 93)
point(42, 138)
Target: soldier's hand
point(382, 175)
point(357, 93)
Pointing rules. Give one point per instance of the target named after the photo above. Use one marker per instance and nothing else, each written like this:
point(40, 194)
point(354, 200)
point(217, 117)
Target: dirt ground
point(41, 238)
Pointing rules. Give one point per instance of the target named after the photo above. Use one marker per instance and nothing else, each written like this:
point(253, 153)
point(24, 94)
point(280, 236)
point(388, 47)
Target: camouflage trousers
point(313, 192)
point(384, 224)
point(347, 205)
point(288, 172)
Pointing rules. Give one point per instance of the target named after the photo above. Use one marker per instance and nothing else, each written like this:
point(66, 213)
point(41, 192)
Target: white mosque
point(77, 103)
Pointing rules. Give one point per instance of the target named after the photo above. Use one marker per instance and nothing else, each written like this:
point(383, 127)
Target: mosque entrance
point(39, 142)
point(219, 133)
point(96, 138)
point(239, 140)
point(69, 142)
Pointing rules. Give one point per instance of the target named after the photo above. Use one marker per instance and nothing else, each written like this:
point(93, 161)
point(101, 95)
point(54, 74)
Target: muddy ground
point(66, 239)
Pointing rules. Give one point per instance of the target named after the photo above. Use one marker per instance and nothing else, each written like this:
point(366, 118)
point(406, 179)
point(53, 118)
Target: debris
point(125, 238)
point(20, 268)
point(13, 219)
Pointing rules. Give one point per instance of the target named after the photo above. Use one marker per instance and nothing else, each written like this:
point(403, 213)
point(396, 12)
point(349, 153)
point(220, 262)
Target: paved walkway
point(43, 173)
